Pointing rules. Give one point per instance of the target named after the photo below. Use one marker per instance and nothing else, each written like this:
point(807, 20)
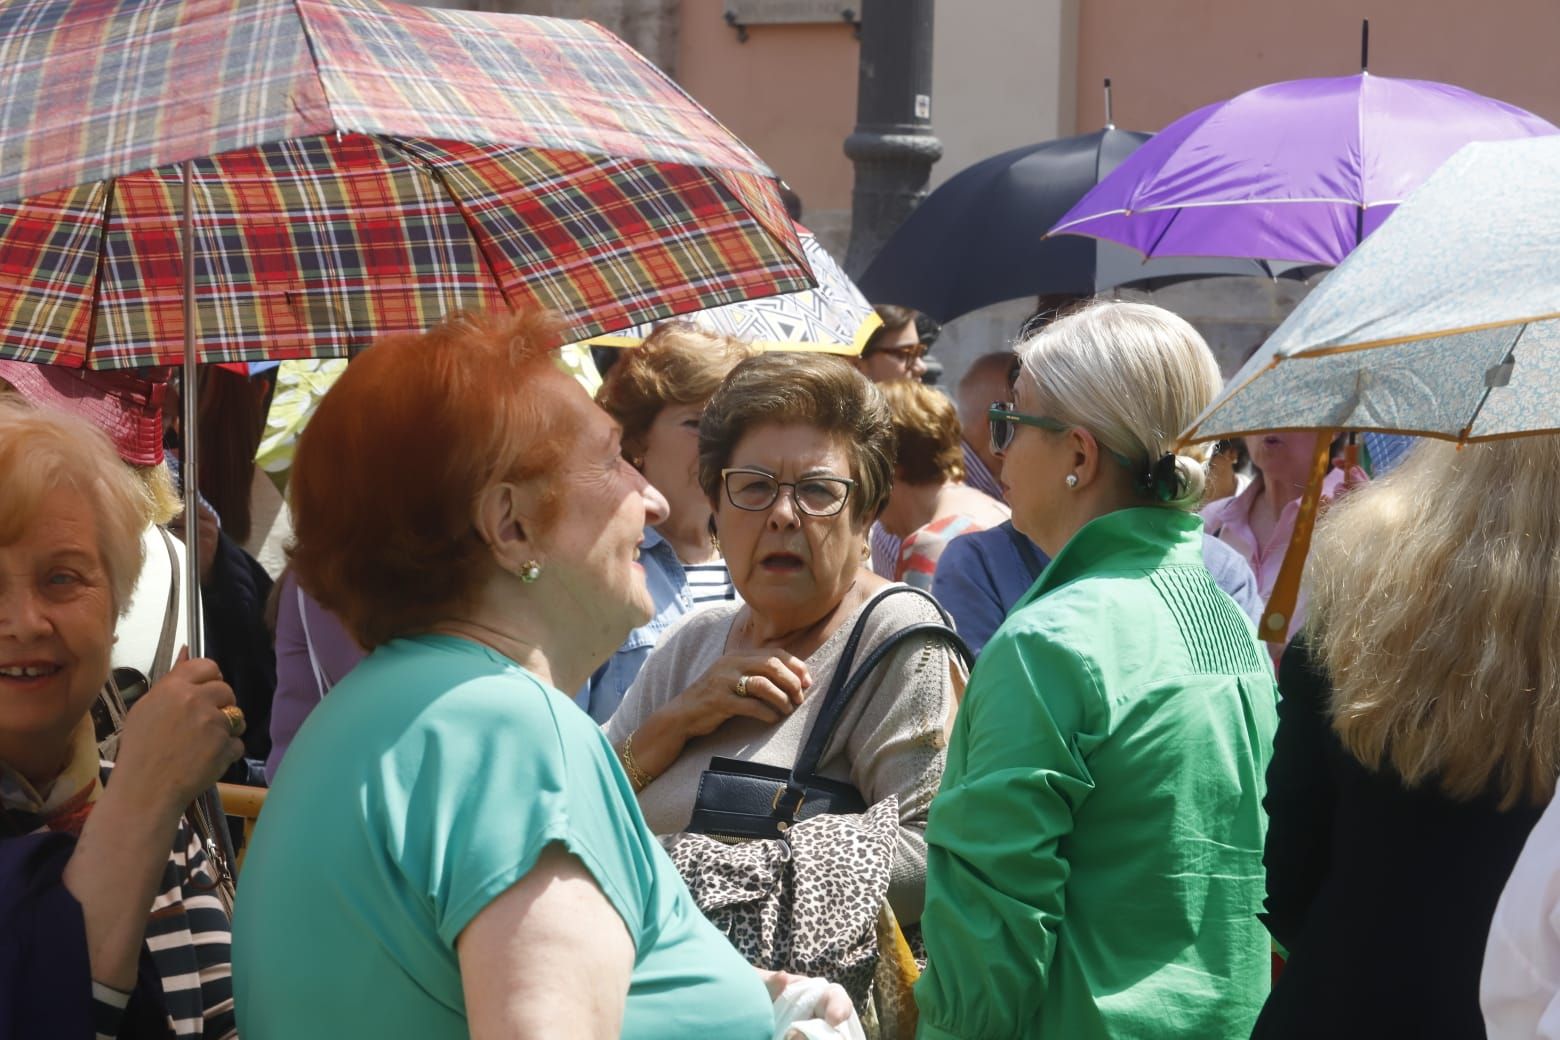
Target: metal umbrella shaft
point(212, 799)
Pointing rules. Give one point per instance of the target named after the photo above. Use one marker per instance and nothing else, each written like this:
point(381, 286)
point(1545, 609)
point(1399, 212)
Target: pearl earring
point(1072, 481)
point(529, 571)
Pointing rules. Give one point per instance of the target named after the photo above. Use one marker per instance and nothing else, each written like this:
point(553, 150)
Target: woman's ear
point(503, 520)
point(1086, 454)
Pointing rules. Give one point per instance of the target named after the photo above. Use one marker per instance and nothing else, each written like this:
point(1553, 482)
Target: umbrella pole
point(1286, 587)
point(211, 801)
point(187, 462)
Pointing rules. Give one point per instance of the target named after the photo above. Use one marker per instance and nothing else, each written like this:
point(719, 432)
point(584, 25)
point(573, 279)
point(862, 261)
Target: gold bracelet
point(638, 779)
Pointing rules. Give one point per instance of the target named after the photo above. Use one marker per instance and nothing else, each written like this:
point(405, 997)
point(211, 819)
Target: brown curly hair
point(812, 389)
point(678, 363)
point(926, 423)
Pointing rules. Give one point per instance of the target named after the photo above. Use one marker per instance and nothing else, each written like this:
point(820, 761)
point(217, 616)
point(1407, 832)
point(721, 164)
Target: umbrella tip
point(1110, 122)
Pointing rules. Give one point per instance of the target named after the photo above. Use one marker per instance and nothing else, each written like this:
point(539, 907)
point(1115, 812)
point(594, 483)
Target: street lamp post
point(892, 147)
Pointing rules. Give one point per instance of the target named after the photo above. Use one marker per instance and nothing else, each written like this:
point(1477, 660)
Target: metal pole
point(222, 851)
point(188, 462)
point(893, 147)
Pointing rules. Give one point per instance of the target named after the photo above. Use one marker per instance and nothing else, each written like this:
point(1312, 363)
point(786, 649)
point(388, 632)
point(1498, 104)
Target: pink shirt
point(1229, 520)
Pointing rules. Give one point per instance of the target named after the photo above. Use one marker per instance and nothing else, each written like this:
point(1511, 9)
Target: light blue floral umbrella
point(1444, 323)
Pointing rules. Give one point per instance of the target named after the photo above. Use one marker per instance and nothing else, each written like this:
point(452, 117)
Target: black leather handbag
point(739, 799)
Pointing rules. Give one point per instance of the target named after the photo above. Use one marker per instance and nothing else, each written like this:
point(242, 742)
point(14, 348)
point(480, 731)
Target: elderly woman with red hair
point(453, 849)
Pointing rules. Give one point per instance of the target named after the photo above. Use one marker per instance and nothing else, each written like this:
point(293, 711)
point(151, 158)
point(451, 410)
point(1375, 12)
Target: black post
point(892, 147)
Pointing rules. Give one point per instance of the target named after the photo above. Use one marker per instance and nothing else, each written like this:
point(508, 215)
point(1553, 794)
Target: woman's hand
point(763, 684)
point(834, 1005)
point(776, 682)
point(177, 741)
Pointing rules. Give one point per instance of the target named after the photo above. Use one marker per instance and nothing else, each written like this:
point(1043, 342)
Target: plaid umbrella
point(356, 168)
point(831, 319)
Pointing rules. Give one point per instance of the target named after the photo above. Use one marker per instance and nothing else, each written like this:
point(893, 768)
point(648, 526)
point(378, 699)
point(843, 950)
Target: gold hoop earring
point(529, 571)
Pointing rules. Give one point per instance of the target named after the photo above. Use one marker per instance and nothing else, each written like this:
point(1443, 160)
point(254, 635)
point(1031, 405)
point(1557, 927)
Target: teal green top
point(425, 785)
point(1094, 863)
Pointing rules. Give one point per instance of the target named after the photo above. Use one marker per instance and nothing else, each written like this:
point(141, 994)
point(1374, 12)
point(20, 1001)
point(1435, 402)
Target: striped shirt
point(978, 476)
point(189, 935)
point(708, 582)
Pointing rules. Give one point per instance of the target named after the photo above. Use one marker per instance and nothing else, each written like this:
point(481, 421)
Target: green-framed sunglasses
point(1004, 423)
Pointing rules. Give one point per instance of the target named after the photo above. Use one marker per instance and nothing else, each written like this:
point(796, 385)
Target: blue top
point(423, 787)
point(668, 584)
point(981, 575)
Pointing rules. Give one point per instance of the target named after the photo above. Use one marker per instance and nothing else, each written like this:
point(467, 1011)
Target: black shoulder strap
point(848, 679)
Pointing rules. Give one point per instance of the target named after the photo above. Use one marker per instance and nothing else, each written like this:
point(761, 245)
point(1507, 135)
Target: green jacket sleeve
point(996, 875)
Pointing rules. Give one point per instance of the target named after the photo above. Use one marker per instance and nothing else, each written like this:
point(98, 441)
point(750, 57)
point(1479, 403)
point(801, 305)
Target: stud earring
point(529, 571)
point(1072, 481)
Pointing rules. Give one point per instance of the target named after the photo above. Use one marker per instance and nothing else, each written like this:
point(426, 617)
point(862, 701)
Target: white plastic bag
point(793, 1015)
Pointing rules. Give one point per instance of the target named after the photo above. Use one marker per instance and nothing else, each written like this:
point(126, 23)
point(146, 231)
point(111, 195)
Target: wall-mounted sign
point(783, 12)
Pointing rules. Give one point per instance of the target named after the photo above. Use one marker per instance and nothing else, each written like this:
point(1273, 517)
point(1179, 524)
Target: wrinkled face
point(671, 458)
point(592, 546)
point(781, 559)
point(1285, 455)
point(56, 622)
point(895, 356)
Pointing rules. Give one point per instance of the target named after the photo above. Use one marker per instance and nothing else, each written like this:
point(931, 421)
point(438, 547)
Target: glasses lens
point(1001, 426)
point(821, 497)
point(751, 490)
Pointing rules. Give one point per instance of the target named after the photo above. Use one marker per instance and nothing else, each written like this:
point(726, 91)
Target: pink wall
point(789, 92)
point(1168, 57)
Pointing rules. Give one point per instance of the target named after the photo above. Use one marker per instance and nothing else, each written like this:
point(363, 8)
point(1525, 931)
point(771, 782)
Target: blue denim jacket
point(604, 690)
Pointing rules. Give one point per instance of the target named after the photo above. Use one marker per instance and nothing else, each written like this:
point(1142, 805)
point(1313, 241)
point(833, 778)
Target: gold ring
point(235, 717)
point(741, 688)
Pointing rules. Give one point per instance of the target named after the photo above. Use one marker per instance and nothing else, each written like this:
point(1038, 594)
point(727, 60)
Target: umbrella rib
point(476, 239)
point(1511, 352)
point(102, 263)
point(314, 61)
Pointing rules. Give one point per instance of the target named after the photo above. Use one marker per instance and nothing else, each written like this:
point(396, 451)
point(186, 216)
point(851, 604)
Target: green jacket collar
point(1137, 539)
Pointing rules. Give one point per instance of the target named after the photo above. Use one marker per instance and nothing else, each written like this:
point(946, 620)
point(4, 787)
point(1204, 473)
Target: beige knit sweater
point(892, 739)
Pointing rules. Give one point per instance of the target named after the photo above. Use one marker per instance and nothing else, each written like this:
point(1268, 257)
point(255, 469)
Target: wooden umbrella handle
point(1286, 587)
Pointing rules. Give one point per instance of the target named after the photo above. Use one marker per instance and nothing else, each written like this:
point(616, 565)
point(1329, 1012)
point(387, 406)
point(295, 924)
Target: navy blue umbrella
point(980, 238)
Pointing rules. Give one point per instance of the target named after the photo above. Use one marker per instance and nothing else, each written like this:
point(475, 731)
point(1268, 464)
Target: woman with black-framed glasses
point(796, 454)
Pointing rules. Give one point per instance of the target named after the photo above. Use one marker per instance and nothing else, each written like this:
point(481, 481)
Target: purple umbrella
point(1298, 171)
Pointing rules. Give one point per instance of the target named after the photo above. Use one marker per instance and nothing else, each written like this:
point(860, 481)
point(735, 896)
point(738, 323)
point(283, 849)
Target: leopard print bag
point(807, 903)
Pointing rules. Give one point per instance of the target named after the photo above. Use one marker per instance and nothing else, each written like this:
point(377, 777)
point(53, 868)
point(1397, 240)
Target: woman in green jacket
point(1095, 851)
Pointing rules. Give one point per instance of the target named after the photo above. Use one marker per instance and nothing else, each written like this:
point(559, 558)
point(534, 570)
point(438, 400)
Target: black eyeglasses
point(1004, 422)
point(755, 491)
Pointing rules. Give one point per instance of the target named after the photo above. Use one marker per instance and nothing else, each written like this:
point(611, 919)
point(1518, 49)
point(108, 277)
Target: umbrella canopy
point(358, 168)
point(834, 318)
point(1299, 171)
point(980, 238)
point(1444, 323)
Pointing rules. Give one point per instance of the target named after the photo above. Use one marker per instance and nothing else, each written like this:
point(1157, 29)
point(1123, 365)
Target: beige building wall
point(1168, 57)
point(790, 93)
